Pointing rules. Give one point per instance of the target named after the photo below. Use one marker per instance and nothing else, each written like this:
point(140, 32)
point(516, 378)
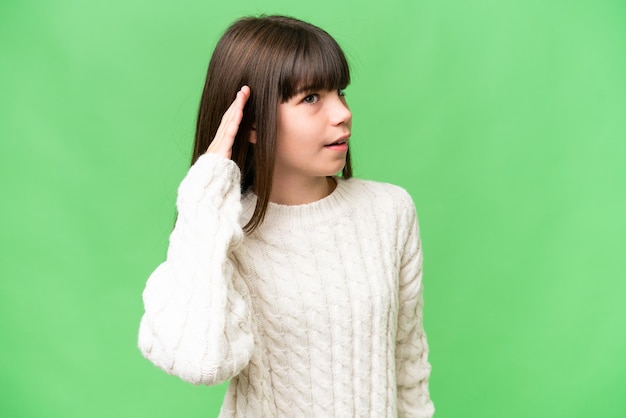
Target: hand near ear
point(222, 144)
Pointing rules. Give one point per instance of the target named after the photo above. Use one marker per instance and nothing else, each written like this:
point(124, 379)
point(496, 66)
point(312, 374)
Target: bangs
point(317, 63)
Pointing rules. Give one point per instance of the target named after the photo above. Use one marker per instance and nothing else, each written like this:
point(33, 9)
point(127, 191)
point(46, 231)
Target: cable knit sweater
point(317, 313)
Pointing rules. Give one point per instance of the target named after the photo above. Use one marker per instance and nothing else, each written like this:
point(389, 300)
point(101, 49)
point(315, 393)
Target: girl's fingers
point(225, 136)
point(227, 120)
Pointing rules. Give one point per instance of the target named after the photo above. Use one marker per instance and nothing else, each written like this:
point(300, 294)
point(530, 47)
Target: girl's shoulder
point(378, 192)
point(386, 205)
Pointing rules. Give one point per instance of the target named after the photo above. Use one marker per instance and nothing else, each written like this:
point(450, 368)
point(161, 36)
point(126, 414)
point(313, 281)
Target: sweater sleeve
point(197, 322)
point(412, 367)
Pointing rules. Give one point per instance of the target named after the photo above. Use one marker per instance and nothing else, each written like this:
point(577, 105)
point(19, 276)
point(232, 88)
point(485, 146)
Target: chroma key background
point(505, 120)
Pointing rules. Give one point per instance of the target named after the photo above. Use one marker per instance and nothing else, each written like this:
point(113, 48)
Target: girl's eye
point(311, 98)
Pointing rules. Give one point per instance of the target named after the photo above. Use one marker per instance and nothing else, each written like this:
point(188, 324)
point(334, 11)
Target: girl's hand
point(222, 144)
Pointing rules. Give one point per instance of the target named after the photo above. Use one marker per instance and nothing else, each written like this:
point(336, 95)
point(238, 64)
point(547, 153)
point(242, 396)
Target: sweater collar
point(324, 211)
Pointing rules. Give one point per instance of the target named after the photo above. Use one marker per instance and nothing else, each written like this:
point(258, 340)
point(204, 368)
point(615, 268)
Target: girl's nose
point(340, 111)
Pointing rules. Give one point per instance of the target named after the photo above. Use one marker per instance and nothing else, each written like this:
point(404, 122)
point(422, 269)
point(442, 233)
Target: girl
point(302, 287)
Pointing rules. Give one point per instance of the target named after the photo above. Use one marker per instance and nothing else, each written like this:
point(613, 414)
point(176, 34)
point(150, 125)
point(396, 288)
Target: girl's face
point(312, 134)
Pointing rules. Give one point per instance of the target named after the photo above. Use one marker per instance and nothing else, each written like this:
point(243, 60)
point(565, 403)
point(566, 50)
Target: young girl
point(302, 287)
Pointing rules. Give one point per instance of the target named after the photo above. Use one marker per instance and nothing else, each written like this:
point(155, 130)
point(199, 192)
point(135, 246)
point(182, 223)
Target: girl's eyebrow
point(303, 89)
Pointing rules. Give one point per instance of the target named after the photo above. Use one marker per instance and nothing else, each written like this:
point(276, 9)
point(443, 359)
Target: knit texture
point(317, 313)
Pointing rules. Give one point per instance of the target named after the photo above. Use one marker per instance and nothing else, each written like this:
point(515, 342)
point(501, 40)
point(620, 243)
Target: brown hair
point(274, 56)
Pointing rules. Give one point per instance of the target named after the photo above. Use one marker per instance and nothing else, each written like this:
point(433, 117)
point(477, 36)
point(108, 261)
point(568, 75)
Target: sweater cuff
point(211, 174)
point(215, 166)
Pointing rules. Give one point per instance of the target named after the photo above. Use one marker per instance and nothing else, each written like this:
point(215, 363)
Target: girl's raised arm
point(197, 322)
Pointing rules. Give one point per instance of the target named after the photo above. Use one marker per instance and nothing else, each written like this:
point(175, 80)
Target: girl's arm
point(197, 322)
point(412, 367)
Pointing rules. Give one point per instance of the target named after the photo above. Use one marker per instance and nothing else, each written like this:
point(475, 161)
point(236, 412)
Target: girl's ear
point(252, 137)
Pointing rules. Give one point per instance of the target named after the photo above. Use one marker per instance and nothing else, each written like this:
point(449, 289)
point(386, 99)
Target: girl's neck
point(292, 191)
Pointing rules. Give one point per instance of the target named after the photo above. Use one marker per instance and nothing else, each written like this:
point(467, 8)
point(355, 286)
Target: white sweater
point(317, 313)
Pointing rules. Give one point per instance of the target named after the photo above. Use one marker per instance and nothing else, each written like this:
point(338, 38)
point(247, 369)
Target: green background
point(506, 121)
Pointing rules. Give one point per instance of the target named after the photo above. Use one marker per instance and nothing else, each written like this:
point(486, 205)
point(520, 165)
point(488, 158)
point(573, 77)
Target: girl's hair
point(276, 56)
